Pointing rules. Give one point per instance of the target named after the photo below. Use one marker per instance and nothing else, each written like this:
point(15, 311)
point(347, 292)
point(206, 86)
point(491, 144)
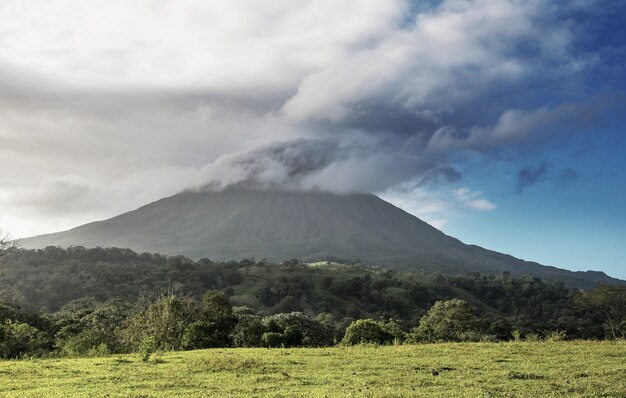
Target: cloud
point(436, 207)
point(516, 128)
point(280, 165)
point(473, 200)
point(119, 103)
point(569, 176)
point(529, 176)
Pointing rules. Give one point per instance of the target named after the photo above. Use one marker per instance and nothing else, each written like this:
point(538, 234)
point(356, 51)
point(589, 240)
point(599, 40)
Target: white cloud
point(437, 207)
point(451, 54)
point(517, 127)
point(106, 105)
point(472, 199)
point(231, 46)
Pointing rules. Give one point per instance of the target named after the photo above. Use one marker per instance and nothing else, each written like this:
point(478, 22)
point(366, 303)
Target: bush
point(85, 343)
point(147, 348)
point(556, 335)
point(532, 337)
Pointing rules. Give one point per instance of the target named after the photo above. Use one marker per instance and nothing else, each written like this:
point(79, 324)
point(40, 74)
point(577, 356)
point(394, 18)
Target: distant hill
point(239, 223)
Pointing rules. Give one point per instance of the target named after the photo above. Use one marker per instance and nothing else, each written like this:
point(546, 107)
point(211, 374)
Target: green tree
point(273, 339)
point(608, 303)
point(165, 321)
point(248, 331)
point(18, 339)
point(313, 333)
point(367, 331)
point(214, 324)
point(88, 327)
point(452, 320)
point(393, 328)
point(216, 308)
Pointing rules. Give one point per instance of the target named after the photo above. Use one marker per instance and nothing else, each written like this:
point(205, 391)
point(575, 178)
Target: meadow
point(516, 369)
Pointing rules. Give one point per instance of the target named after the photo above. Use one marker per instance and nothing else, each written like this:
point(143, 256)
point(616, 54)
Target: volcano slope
point(238, 223)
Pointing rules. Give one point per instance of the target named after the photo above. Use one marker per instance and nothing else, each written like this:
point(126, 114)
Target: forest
point(78, 301)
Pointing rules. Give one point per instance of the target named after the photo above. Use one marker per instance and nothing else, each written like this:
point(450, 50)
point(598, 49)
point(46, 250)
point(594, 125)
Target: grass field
point(590, 369)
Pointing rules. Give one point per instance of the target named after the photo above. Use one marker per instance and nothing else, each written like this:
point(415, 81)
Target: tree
point(451, 320)
point(367, 331)
point(248, 331)
point(214, 325)
point(300, 329)
point(165, 321)
point(393, 328)
point(86, 326)
point(216, 307)
point(18, 339)
point(608, 303)
point(6, 245)
point(23, 334)
point(273, 339)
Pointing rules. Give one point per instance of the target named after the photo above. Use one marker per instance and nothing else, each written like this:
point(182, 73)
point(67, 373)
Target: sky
point(500, 122)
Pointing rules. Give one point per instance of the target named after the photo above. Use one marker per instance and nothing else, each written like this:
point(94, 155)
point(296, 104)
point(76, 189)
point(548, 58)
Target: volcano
point(238, 223)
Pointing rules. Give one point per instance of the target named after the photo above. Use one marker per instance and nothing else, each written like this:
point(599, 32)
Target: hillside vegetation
point(80, 302)
point(45, 280)
point(578, 369)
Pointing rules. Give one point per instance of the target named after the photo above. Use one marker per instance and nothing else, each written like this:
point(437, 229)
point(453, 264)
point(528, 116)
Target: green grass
point(590, 369)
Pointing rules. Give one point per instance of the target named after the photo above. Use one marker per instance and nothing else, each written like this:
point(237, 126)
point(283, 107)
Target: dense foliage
point(79, 301)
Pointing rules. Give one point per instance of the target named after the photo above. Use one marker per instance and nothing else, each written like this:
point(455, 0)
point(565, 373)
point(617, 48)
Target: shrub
point(532, 337)
point(556, 335)
point(147, 348)
point(85, 343)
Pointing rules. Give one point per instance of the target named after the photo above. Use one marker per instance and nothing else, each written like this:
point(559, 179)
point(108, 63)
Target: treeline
point(169, 322)
point(53, 294)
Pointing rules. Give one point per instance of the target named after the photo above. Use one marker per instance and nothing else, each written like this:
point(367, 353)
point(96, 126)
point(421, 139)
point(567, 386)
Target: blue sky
point(498, 121)
point(576, 223)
